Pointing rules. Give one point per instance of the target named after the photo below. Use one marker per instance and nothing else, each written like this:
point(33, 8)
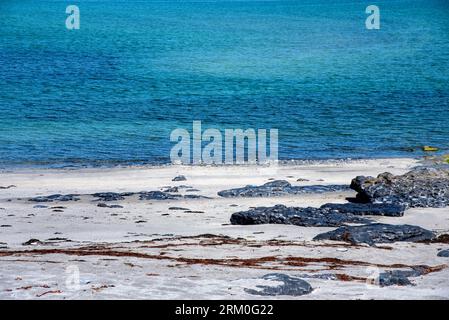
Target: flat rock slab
point(56, 197)
point(307, 217)
point(291, 286)
point(419, 188)
point(368, 209)
point(279, 188)
point(378, 233)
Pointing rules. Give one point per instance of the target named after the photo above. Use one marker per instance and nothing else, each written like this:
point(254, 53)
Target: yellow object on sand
point(430, 149)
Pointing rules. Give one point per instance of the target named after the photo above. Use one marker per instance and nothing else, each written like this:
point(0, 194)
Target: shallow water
point(113, 91)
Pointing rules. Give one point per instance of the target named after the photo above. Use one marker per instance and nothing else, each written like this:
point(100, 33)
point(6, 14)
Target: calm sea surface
point(111, 92)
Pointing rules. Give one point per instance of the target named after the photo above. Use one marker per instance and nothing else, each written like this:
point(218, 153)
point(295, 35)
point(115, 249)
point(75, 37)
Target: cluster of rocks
point(386, 195)
point(421, 187)
point(278, 188)
point(115, 196)
point(56, 197)
point(295, 286)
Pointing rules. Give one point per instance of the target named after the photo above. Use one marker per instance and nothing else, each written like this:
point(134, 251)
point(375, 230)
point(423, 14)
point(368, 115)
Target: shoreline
point(283, 163)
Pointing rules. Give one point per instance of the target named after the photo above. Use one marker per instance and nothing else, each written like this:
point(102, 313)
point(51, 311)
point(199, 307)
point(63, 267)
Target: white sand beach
point(187, 248)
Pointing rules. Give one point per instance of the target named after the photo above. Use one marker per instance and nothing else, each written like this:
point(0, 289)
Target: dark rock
point(279, 188)
point(291, 286)
point(421, 187)
point(31, 242)
point(8, 187)
point(56, 197)
point(371, 209)
point(59, 239)
point(195, 196)
point(40, 206)
point(179, 178)
point(171, 189)
point(110, 196)
point(396, 278)
point(113, 206)
point(308, 217)
point(178, 208)
point(184, 186)
point(400, 277)
point(444, 253)
point(377, 233)
point(156, 195)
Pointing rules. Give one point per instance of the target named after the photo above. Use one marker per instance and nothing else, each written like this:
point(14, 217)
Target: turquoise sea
point(111, 92)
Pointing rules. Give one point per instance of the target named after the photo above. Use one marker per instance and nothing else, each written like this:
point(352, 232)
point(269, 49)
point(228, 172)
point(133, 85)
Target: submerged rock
point(291, 286)
point(279, 188)
point(443, 253)
point(378, 233)
point(308, 217)
point(422, 187)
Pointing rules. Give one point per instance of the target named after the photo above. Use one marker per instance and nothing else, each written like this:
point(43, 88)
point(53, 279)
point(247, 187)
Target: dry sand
point(147, 251)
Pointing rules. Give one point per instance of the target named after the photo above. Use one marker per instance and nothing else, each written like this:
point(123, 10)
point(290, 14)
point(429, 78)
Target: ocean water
point(111, 92)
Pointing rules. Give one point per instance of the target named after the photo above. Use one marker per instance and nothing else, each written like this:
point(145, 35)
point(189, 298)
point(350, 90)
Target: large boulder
point(378, 233)
point(421, 187)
